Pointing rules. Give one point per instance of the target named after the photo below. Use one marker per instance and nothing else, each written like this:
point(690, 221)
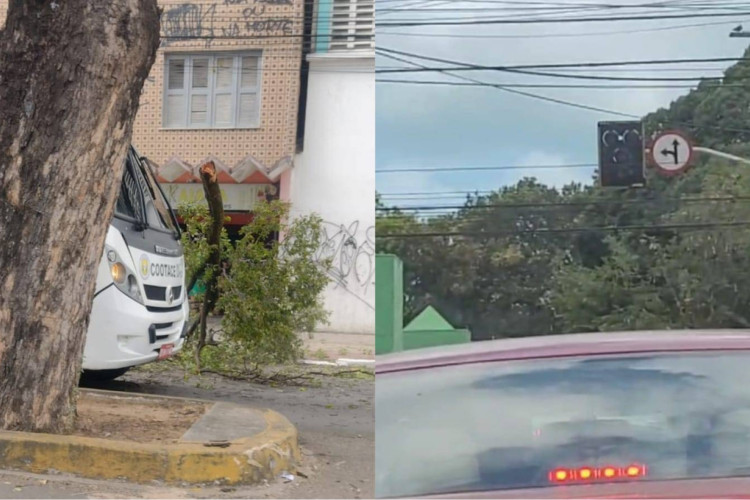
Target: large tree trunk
point(71, 75)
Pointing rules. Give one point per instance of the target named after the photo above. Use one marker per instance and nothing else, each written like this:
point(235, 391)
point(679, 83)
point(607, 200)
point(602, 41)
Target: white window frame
point(212, 91)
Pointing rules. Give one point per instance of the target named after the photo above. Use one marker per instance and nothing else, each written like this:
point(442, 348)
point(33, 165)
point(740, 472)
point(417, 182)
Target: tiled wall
point(272, 26)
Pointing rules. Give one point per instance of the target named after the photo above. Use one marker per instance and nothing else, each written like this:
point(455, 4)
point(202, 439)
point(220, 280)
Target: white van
point(140, 311)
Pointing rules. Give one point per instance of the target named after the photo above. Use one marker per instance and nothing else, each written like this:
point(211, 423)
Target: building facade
point(334, 175)
point(224, 88)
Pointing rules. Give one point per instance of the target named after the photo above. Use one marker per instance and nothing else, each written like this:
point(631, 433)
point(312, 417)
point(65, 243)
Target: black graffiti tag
point(267, 25)
point(352, 259)
point(189, 21)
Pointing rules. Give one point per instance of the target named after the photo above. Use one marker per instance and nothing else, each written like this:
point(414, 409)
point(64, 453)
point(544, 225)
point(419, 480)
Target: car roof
point(556, 346)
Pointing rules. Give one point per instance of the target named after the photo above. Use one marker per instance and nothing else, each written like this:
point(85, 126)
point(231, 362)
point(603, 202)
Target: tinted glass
point(507, 425)
point(129, 202)
point(158, 210)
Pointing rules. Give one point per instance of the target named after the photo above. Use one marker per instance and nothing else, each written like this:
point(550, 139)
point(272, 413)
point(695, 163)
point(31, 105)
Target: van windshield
point(158, 211)
point(130, 202)
point(142, 199)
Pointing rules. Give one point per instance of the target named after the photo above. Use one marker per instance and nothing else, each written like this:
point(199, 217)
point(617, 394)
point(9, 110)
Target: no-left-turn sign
point(671, 152)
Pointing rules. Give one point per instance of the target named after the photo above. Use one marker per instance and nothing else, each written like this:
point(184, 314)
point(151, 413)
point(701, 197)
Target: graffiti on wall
point(189, 20)
point(201, 21)
point(351, 251)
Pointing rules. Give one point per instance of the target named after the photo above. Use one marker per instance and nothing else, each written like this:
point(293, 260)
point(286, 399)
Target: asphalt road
point(335, 420)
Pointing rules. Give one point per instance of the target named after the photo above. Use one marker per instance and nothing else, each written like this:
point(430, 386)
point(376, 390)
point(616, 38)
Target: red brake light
point(590, 474)
point(635, 470)
point(560, 475)
point(609, 472)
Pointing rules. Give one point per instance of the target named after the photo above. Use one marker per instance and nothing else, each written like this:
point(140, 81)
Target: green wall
point(389, 304)
point(428, 329)
point(432, 338)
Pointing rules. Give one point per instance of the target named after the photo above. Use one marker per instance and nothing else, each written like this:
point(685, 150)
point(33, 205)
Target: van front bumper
point(123, 333)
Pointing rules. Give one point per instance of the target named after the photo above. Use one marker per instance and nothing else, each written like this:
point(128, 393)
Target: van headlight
point(122, 277)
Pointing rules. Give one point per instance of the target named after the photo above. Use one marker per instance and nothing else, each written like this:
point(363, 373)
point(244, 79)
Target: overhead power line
point(716, 6)
point(495, 233)
point(545, 2)
point(553, 100)
point(480, 22)
point(502, 167)
point(527, 94)
point(435, 193)
point(461, 66)
point(558, 86)
point(707, 199)
point(559, 35)
point(597, 64)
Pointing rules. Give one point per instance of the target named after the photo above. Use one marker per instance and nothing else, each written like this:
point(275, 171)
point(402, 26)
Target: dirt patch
point(141, 420)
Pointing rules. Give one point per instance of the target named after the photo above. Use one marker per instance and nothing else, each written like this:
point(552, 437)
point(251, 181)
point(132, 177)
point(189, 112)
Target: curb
point(340, 362)
point(252, 459)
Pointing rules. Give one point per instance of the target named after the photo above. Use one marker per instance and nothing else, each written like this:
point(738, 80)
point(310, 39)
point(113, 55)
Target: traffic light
point(621, 153)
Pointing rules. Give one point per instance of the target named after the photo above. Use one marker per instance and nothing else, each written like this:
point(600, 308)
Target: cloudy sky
point(430, 126)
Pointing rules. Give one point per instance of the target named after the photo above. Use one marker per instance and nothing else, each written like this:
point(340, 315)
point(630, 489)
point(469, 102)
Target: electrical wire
point(552, 9)
point(598, 64)
point(515, 232)
point(501, 167)
point(481, 22)
point(460, 66)
point(559, 35)
point(666, 201)
point(558, 86)
point(529, 94)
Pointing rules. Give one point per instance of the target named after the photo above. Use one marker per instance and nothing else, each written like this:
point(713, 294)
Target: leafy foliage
point(273, 288)
point(197, 221)
point(270, 287)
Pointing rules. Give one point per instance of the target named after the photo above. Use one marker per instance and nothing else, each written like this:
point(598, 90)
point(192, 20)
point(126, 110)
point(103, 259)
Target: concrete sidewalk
point(340, 348)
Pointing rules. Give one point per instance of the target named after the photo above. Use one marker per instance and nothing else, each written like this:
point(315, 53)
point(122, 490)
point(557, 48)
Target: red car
point(611, 415)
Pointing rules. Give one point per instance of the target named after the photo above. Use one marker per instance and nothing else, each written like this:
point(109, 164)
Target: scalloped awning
point(247, 171)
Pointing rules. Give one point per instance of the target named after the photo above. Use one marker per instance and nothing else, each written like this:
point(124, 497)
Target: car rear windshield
point(524, 424)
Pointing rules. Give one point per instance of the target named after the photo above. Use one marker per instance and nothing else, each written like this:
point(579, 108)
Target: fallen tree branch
point(343, 372)
point(258, 376)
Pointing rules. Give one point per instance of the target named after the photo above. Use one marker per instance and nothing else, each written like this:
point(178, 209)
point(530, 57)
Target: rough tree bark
point(71, 75)
point(213, 261)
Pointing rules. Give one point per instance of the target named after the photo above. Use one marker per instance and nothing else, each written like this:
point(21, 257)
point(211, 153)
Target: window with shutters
point(212, 91)
point(353, 25)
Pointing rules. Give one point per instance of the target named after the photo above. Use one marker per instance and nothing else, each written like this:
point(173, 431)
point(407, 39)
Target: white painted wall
point(335, 177)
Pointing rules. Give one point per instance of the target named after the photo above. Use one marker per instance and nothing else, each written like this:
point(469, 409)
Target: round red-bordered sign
point(671, 152)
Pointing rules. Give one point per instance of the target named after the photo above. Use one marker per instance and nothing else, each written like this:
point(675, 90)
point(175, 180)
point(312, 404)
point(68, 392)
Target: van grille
point(155, 292)
point(160, 293)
